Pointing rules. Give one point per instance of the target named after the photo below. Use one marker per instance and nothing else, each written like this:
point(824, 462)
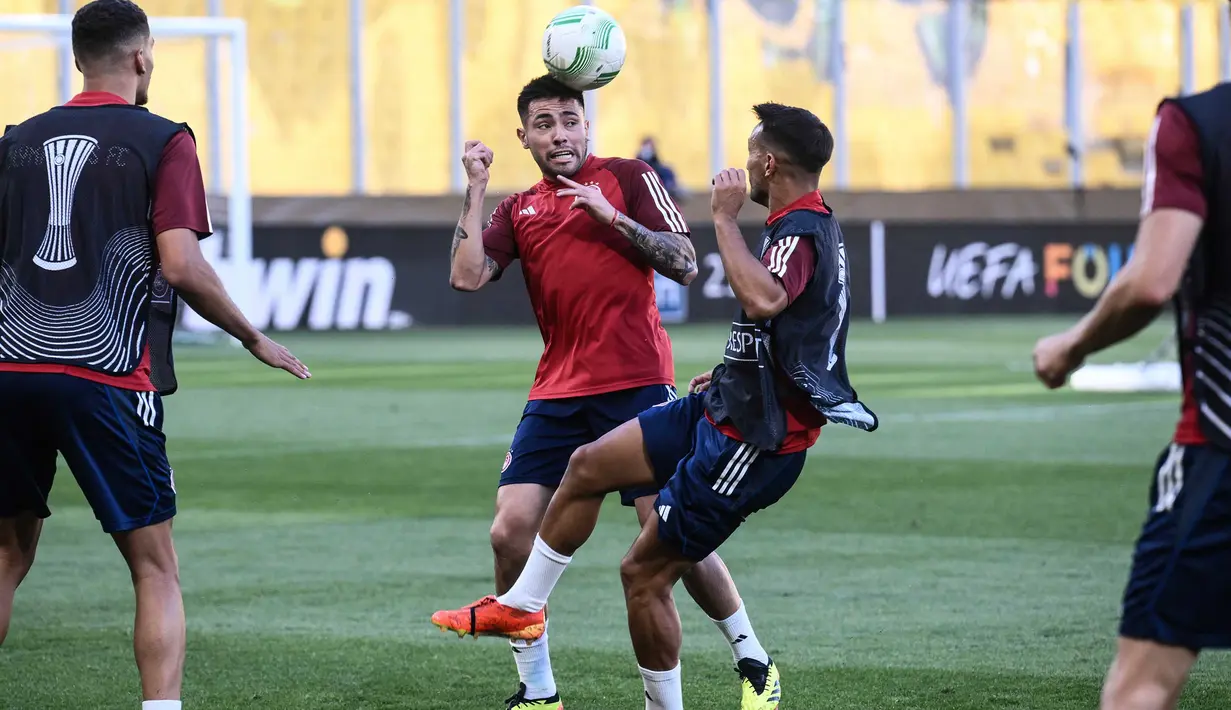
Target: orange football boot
point(488, 617)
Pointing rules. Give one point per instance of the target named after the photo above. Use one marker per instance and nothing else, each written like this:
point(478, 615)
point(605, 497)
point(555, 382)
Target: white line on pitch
point(1024, 414)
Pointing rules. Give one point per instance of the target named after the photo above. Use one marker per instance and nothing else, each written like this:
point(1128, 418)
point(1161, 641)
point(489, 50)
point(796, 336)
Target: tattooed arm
point(469, 265)
point(669, 251)
point(671, 254)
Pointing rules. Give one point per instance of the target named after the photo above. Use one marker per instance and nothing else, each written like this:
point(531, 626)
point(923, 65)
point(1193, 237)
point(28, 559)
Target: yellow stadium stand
point(899, 122)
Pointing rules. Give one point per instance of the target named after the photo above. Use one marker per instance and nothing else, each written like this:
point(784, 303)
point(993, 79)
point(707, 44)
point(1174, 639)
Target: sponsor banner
point(381, 278)
point(390, 278)
point(990, 268)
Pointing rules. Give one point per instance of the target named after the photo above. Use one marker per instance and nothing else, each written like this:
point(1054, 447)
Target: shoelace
point(486, 601)
point(518, 698)
point(759, 683)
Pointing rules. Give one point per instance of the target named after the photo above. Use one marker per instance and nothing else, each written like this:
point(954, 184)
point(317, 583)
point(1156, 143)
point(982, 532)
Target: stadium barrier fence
point(360, 264)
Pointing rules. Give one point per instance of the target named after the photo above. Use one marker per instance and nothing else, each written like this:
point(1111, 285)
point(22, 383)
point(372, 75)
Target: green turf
point(970, 554)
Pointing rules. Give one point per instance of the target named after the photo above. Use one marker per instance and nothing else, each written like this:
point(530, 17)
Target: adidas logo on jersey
point(528, 210)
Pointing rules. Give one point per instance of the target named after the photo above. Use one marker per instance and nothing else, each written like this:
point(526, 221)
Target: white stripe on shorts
point(736, 468)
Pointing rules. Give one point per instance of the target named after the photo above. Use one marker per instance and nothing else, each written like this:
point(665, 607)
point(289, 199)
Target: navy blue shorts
point(1179, 591)
point(710, 482)
point(111, 438)
point(552, 429)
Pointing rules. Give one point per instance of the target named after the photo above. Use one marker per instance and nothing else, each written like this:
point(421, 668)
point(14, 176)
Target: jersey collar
point(813, 201)
point(583, 173)
point(95, 98)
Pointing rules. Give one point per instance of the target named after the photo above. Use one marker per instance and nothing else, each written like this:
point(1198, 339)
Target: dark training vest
point(1203, 303)
point(806, 343)
point(79, 279)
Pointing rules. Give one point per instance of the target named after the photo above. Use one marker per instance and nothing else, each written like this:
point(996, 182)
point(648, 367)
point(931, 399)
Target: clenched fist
point(477, 158)
point(730, 191)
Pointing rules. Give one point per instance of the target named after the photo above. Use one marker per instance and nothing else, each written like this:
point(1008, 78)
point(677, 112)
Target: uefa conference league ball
point(584, 48)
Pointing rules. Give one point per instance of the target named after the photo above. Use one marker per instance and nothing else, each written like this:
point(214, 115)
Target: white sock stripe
point(663, 690)
point(663, 201)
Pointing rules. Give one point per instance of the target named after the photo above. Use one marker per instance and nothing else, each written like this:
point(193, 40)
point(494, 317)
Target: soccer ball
point(584, 48)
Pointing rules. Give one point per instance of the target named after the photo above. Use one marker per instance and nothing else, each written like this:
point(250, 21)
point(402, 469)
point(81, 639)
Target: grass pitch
point(970, 554)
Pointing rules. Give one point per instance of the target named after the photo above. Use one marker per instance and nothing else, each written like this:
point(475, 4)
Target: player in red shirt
point(590, 236)
point(1176, 601)
point(106, 425)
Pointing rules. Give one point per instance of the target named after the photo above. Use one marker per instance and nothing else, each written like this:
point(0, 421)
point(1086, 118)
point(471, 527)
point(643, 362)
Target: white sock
point(738, 631)
point(534, 667)
point(662, 689)
point(538, 578)
point(161, 705)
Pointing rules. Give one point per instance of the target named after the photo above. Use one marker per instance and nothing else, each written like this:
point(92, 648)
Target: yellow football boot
point(761, 683)
point(519, 702)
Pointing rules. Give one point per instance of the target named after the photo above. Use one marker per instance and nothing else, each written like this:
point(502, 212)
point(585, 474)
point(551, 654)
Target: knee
point(583, 470)
point(512, 536)
point(16, 554)
point(640, 582)
point(13, 562)
point(160, 570)
point(151, 555)
point(1128, 691)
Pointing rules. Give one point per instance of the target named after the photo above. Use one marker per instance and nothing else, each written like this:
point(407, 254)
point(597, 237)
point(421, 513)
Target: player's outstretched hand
point(700, 383)
point(477, 158)
point(274, 355)
point(590, 199)
point(1054, 359)
point(730, 191)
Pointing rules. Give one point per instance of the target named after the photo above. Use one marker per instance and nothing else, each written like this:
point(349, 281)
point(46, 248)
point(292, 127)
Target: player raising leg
point(590, 236)
point(738, 445)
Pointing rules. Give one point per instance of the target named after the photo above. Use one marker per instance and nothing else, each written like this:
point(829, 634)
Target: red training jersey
point(792, 261)
point(591, 289)
point(178, 203)
point(1174, 179)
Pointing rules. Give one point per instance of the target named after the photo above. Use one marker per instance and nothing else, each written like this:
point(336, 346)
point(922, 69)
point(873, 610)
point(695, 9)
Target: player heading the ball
point(737, 443)
point(590, 236)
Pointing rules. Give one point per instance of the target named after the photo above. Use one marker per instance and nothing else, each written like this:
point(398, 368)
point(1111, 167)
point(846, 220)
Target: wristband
point(614, 217)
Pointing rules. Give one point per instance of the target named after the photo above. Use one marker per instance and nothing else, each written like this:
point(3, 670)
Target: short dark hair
point(102, 28)
point(797, 133)
point(545, 87)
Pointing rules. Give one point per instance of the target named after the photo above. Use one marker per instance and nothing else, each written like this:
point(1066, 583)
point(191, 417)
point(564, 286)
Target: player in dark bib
point(590, 236)
point(102, 205)
point(737, 443)
point(1178, 598)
